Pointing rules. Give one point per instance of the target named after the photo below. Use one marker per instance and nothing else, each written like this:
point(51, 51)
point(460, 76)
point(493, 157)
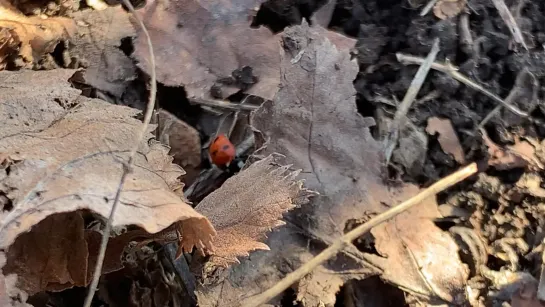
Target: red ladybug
point(222, 151)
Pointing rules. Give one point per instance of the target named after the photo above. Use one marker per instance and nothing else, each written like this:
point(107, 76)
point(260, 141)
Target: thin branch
point(223, 104)
point(128, 165)
point(509, 20)
point(346, 239)
point(391, 139)
point(452, 71)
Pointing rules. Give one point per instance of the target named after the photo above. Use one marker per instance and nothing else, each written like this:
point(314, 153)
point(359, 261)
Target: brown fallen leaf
point(445, 9)
point(519, 155)
point(36, 36)
point(249, 205)
point(340, 159)
point(447, 137)
point(71, 149)
point(184, 143)
point(96, 47)
point(226, 53)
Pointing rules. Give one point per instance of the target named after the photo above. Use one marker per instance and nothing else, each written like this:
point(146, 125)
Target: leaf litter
point(61, 171)
point(298, 124)
point(498, 215)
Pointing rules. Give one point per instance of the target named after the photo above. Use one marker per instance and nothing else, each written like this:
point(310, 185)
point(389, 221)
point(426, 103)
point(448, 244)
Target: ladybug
point(222, 151)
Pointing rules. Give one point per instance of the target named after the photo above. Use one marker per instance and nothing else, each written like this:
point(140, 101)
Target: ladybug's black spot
point(214, 153)
point(225, 147)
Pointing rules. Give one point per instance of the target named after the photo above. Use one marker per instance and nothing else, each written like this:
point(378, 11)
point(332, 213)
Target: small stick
point(428, 7)
point(223, 104)
point(346, 239)
point(390, 141)
point(510, 21)
point(128, 165)
point(453, 72)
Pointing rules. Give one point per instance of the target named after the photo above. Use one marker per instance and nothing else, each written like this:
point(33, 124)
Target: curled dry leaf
point(96, 47)
point(184, 143)
point(33, 36)
point(65, 259)
point(72, 150)
point(226, 53)
point(445, 9)
point(249, 205)
point(447, 137)
point(521, 154)
point(314, 122)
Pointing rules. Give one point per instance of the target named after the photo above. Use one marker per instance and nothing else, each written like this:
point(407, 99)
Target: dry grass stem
point(391, 139)
point(346, 239)
point(221, 104)
point(452, 71)
point(126, 166)
point(510, 21)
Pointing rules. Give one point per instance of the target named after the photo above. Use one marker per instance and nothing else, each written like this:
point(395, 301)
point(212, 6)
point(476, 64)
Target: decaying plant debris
point(306, 91)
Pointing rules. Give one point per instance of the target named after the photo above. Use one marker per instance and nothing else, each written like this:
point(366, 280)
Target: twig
point(223, 104)
point(390, 141)
point(466, 40)
point(346, 239)
point(510, 22)
point(453, 72)
point(428, 7)
point(513, 96)
point(126, 166)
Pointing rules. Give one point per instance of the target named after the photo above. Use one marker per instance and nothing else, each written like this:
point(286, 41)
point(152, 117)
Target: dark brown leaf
point(201, 43)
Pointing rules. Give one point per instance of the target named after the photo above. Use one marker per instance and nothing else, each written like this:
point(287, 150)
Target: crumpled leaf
point(184, 143)
point(71, 149)
point(37, 36)
point(249, 205)
point(314, 122)
point(448, 140)
point(445, 9)
point(200, 43)
point(96, 47)
point(519, 155)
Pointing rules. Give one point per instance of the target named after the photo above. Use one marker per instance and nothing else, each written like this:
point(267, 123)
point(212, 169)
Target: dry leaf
point(96, 47)
point(37, 36)
point(447, 137)
point(65, 259)
point(71, 149)
point(201, 43)
point(445, 9)
point(249, 205)
point(519, 155)
point(314, 122)
point(184, 143)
